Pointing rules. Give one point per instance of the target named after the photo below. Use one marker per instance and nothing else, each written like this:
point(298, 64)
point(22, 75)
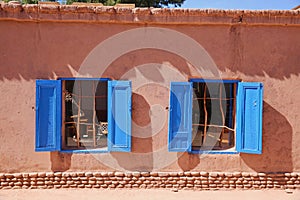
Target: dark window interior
point(85, 117)
point(213, 116)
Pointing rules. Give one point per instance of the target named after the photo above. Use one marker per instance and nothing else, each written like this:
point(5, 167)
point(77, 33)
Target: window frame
point(59, 114)
point(238, 139)
point(66, 150)
point(231, 150)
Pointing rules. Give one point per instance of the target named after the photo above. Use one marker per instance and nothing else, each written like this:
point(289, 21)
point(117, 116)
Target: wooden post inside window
point(205, 117)
point(78, 115)
point(223, 117)
point(94, 113)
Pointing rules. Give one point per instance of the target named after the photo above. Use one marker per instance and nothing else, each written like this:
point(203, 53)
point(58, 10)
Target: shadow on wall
point(277, 147)
point(188, 161)
point(141, 57)
point(60, 162)
point(277, 144)
point(269, 48)
point(140, 158)
point(50, 47)
point(276, 157)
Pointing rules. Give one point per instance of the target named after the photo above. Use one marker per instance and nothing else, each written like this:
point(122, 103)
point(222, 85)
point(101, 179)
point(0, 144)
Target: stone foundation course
point(176, 180)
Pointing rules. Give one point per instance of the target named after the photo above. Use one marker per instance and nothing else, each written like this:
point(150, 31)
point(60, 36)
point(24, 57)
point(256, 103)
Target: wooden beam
point(223, 118)
point(78, 114)
point(94, 114)
point(216, 126)
point(205, 117)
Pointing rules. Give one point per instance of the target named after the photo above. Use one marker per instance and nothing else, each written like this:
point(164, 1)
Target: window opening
point(85, 114)
point(213, 116)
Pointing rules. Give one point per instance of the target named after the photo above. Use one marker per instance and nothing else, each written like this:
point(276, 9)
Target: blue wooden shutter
point(48, 115)
point(119, 116)
point(180, 117)
point(249, 118)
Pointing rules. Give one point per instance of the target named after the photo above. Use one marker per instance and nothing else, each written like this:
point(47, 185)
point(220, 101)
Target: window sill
point(84, 151)
point(214, 152)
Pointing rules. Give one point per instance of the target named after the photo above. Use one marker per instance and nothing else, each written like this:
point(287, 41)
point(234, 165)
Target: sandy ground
point(126, 194)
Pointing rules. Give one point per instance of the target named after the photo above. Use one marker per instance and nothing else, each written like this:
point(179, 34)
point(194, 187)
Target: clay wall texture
point(46, 42)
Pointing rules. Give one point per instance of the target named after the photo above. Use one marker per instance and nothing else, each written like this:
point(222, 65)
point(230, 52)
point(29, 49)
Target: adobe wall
point(46, 42)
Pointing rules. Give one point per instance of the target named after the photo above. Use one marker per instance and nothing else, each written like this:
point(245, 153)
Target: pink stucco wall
point(263, 47)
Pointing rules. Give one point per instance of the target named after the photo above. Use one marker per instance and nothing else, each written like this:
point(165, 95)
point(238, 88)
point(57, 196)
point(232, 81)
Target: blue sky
point(242, 4)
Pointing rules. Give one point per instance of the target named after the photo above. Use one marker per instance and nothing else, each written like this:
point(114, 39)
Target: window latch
point(255, 103)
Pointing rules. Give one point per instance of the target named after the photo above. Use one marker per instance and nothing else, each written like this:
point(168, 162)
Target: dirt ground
point(153, 194)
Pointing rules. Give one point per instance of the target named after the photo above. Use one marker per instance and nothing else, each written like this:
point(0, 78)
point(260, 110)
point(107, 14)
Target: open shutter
point(48, 115)
point(249, 118)
point(119, 116)
point(180, 117)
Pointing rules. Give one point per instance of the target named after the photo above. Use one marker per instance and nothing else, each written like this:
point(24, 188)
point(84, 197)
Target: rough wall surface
point(46, 42)
point(141, 15)
point(180, 180)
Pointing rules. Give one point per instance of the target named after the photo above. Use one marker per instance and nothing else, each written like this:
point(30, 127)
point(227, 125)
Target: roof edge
point(144, 15)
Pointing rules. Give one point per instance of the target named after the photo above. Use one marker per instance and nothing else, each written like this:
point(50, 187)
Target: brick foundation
point(179, 180)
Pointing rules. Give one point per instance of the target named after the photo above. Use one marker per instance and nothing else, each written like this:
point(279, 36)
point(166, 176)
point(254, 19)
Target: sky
point(242, 4)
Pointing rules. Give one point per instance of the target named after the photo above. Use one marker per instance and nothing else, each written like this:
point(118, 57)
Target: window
point(213, 107)
point(78, 114)
point(85, 114)
point(215, 115)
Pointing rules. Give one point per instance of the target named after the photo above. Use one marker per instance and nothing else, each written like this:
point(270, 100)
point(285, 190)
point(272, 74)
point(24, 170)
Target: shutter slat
point(180, 117)
point(48, 115)
point(119, 119)
point(249, 117)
